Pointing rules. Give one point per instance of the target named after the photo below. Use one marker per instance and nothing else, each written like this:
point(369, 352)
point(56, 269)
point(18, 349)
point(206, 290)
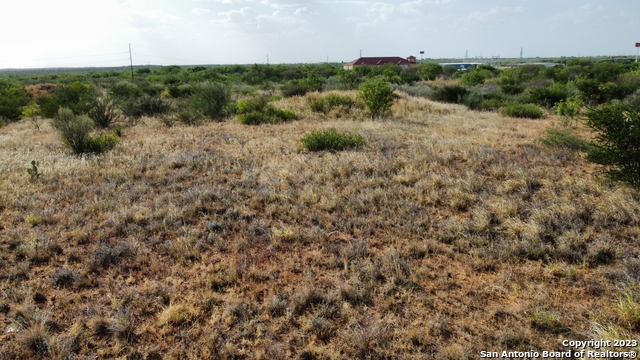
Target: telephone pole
point(131, 61)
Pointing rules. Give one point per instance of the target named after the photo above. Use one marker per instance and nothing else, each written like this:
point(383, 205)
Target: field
point(449, 233)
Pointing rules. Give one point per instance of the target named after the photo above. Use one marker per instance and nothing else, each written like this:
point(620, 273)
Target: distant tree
point(377, 96)
point(430, 71)
point(12, 99)
point(617, 143)
point(348, 79)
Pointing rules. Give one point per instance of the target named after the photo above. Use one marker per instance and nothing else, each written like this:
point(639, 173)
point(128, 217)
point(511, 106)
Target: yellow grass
point(450, 232)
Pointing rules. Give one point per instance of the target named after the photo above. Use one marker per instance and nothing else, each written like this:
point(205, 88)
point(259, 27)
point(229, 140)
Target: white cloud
point(200, 11)
point(582, 14)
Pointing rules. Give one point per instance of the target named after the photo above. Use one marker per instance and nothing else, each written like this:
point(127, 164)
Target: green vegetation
point(331, 101)
point(12, 99)
point(75, 130)
point(526, 111)
point(617, 144)
point(104, 112)
point(76, 96)
point(211, 99)
point(569, 110)
point(377, 96)
point(332, 140)
point(256, 111)
point(564, 138)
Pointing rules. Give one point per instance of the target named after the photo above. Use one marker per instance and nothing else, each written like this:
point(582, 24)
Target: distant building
point(462, 66)
point(377, 61)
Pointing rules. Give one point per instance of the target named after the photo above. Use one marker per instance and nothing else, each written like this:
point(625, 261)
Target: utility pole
point(131, 61)
point(267, 59)
point(521, 53)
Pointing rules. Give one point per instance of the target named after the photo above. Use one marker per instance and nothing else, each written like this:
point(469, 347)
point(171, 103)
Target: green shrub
point(76, 96)
point(564, 139)
point(101, 143)
point(527, 111)
point(335, 100)
point(476, 76)
point(256, 104)
point(211, 99)
point(74, 129)
point(430, 71)
point(377, 96)
point(473, 100)
point(569, 110)
point(123, 90)
point(318, 105)
point(616, 144)
point(548, 96)
point(331, 140)
point(329, 102)
point(295, 88)
point(348, 79)
point(269, 115)
point(12, 99)
point(257, 111)
point(450, 94)
point(104, 112)
point(144, 105)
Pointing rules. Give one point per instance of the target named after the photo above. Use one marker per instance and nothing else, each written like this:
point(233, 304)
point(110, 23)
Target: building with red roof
point(377, 61)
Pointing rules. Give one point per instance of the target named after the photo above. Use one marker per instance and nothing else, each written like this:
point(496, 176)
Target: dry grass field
point(451, 232)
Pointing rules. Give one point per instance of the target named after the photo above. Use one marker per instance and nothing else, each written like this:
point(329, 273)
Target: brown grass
point(451, 232)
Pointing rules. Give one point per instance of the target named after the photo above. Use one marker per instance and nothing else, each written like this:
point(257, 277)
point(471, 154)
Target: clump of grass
point(544, 320)
point(526, 111)
point(332, 140)
point(564, 139)
point(629, 310)
point(63, 277)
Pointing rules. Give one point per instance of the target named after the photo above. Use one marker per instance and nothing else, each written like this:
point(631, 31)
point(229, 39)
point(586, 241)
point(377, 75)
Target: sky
point(97, 33)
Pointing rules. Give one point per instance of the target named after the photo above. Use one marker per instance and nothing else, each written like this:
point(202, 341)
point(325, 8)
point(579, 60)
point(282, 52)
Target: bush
point(521, 111)
point(430, 71)
point(473, 100)
point(257, 111)
point(377, 96)
point(145, 105)
point(76, 96)
point(12, 99)
point(331, 140)
point(569, 110)
point(104, 112)
point(256, 104)
point(548, 96)
point(329, 102)
point(564, 139)
point(101, 143)
point(211, 99)
point(270, 115)
point(450, 94)
point(476, 76)
point(295, 88)
point(123, 90)
point(348, 79)
point(616, 143)
point(75, 130)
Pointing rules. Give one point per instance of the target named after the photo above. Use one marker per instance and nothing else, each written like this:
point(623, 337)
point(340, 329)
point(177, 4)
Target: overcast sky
point(47, 33)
